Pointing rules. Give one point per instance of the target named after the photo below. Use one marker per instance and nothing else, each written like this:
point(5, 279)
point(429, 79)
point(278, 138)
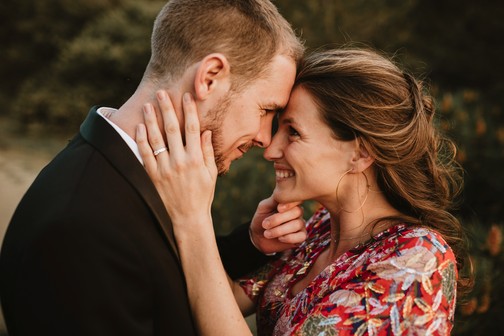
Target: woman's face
point(308, 160)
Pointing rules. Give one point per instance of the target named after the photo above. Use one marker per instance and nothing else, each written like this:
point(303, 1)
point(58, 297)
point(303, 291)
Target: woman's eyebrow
point(289, 121)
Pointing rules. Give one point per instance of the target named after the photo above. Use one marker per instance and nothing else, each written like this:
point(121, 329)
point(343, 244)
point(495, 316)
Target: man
point(90, 249)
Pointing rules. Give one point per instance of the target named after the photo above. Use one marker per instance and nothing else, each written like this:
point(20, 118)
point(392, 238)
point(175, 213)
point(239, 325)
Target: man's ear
point(212, 74)
point(362, 160)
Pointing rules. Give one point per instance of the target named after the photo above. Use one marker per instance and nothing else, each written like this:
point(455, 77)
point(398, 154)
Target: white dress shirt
point(104, 112)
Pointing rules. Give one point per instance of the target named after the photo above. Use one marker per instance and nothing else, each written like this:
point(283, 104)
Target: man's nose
point(263, 137)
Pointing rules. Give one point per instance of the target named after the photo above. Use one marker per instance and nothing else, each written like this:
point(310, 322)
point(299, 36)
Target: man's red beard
point(214, 124)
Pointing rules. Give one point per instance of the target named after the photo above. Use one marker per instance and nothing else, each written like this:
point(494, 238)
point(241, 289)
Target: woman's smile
point(283, 174)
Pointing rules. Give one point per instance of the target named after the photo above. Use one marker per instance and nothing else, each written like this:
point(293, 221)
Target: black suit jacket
point(90, 248)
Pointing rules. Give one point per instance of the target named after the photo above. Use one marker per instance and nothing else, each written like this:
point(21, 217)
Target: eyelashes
point(293, 132)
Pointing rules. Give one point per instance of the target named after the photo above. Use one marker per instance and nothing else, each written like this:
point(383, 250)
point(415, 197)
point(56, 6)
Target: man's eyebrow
point(274, 107)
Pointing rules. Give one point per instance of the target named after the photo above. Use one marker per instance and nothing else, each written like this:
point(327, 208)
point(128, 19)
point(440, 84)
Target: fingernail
point(281, 207)
point(187, 97)
point(266, 223)
point(161, 94)
point(147, 108)
point(267, 234)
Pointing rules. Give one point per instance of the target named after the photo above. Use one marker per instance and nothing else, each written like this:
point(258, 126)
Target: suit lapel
point(105, 139)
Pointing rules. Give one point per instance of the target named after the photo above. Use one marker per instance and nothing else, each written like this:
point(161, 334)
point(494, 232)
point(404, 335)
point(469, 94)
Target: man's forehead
point(280, 81)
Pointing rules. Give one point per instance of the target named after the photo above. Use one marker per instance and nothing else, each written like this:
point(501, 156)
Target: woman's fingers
point(151, 144)
point(279, 218)
point(291, 226)
point(282, 207)
point(208, 152)
point(296, 238)
point(192, 125)
point(185, 176)
point(145, 149)
point(170, 123)
point(150, 141)
point(156, 140)
point(198, 145)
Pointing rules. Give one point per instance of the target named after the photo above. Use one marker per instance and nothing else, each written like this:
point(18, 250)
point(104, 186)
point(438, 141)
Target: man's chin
point(223, 166)
point(222, 172)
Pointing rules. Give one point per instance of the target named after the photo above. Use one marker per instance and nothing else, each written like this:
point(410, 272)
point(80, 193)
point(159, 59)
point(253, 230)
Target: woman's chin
point(278, 196)
point(283, 197)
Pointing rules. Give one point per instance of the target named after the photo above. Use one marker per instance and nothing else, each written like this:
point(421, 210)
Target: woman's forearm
point(212, 300)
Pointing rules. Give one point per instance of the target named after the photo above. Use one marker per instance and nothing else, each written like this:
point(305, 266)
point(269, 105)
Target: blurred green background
point(59, 57)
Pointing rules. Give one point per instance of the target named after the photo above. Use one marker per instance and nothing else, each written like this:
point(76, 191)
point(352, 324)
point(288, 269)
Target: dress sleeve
point(406, 286)
point(255, 282)
point(413, 290)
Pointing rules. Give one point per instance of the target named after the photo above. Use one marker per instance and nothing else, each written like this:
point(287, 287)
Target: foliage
point(457, 42)
point(477, 314)
point(476, 123)
point(34, 32)
point(102, 65)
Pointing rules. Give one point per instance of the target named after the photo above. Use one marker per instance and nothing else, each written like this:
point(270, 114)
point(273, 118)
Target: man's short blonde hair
point(248, 32)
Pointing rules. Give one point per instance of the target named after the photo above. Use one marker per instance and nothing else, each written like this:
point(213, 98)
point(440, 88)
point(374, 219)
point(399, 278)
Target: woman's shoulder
point(413, 236)
point(412, 247)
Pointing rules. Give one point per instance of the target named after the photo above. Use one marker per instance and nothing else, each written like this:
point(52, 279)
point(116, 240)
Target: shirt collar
point(103, 111)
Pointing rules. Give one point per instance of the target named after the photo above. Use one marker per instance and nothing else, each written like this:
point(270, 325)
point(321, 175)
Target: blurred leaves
point(456, 42)
point(34, 32)
point(476, 315)
point(475, 121)
point(102, 65)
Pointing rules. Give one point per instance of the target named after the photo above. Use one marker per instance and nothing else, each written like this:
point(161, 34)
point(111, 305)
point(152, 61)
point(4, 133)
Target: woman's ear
point(213, 74)
point(362, 160)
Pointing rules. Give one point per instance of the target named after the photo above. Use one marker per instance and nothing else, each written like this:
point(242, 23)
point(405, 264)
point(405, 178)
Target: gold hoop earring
point(368, 187)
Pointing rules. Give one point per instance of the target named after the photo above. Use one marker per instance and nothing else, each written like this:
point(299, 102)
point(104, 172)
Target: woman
point(383, 252)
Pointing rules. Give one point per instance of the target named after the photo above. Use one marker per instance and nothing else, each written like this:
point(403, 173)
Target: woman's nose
point(274, 150)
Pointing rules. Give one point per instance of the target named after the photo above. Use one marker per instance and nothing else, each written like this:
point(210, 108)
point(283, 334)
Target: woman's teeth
point(284, 173)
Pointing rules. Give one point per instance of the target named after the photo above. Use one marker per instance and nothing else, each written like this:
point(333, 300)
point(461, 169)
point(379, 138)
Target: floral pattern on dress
point(401, 282)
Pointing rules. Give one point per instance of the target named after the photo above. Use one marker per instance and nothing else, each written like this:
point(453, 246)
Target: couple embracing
point(115, 235)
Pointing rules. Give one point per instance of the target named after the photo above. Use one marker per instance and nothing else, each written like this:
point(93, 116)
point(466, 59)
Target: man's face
point(243, 120)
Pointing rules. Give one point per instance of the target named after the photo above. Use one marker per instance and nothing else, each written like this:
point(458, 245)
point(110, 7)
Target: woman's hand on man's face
point(184, 175)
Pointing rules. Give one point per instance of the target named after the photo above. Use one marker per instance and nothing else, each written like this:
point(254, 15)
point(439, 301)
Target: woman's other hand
point(277, 227)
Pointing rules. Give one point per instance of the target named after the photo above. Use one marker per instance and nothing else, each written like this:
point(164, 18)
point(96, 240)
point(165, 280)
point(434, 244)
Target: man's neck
point(130, 114)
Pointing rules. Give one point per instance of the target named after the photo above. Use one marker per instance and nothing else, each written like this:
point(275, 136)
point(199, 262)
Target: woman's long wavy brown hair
point(362, 94)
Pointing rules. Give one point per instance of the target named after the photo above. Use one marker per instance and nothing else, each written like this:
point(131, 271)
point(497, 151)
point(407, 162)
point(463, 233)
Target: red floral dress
point(402, 282)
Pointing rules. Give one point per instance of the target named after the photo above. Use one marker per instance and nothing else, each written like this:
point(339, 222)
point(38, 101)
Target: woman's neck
point(349, 229)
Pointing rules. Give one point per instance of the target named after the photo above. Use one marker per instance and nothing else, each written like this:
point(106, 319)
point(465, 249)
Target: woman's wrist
point(195, 228)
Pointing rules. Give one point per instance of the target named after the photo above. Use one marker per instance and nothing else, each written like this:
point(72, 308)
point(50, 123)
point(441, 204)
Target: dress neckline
point(311, 254)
